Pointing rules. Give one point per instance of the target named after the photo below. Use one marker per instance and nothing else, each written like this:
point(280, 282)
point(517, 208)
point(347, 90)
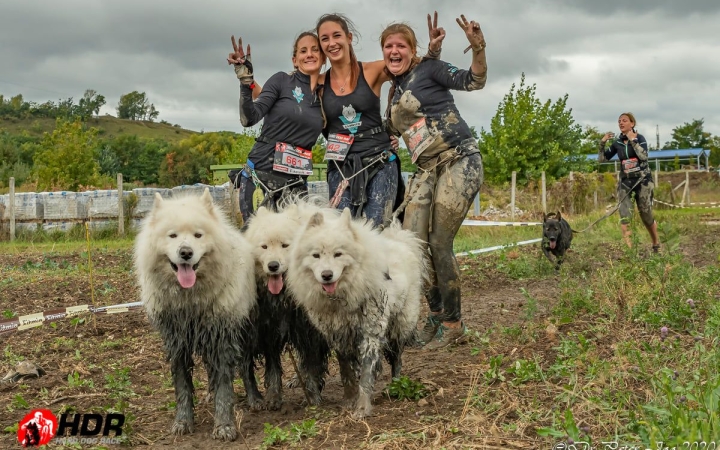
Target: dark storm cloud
point(654, 56)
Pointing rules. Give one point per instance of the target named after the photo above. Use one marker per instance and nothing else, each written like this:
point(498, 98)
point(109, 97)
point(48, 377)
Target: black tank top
point(357, 113)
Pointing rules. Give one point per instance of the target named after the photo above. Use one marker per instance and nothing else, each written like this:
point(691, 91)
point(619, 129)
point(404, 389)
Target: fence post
point(571, 178)
point(656, 172)
point(544, 194)
point(512, 197)
point(595, 200)
point(121, 206)
point(11, 207)
point(686, 194)
point(476, 205)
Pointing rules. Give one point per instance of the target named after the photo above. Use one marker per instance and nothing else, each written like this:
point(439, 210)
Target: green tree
point(589, 141)
point(714, 147)
point(690, 135)
point(90, 104)
point(530, 137)
point(135, 106)
point(67, 157)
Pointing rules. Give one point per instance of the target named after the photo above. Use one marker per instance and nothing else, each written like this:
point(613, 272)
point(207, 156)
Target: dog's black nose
point(327, 275)
point(186, 253)
point(273, 266)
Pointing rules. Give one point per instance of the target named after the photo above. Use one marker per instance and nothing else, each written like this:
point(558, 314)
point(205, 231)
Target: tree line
point(526, 135)
point(133, 106)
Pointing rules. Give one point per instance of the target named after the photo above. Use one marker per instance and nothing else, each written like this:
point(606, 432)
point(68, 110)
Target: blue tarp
point(668, 153)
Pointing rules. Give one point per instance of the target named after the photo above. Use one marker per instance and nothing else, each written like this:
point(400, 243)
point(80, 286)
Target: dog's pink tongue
point(186, 275)
point(552, 244)
point(330, 287)
point(275, 284)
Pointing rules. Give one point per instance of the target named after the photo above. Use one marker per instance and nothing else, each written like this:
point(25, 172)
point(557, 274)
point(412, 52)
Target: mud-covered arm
point(640, 146)
point(451, 77)
point(252, 112)
point(476, 38)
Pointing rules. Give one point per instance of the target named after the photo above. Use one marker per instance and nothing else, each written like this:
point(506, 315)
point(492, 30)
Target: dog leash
point(612, 211)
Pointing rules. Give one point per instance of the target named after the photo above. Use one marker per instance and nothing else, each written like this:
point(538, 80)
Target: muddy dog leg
point(369, 365)
point(181, 365)
point(220, 379)
point(313, 356)
point(349, 377)
point(393, 354)
point(247, 372)
point(273, 379)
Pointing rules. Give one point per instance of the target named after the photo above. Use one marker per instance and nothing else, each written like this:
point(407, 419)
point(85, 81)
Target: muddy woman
point(636, 181)
point(422, 110)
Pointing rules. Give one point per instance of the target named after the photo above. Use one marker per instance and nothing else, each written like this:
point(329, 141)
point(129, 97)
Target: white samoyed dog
point(195, 271)
point(361, 288)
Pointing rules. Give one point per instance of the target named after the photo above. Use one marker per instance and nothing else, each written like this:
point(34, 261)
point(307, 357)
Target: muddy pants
point(454, 188)
point(643, 195)
point(247, 188)
point(381, 192)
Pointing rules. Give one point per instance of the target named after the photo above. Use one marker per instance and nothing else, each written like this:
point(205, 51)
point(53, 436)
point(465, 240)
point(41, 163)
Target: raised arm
point(252, 112)
point(639, 144)
point(605, 155)
point(477, 43)
point(242, 63)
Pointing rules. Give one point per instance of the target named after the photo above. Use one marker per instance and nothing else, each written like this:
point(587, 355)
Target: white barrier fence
point(62, 210)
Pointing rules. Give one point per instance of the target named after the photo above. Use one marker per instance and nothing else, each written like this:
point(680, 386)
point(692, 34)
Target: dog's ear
point(346, 216)
point(559, 217)
point(207, 199)
point(158, 201)
point(316, 220)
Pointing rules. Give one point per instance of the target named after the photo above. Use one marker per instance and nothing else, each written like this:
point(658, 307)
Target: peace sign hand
point(436, 34)
point(473, 33)
point(238, 56)
point(242, 62)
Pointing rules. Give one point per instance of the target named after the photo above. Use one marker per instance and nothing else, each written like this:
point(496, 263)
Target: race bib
point(338, 146)
point(631, 165)
point(292, 160)
point(418, 139)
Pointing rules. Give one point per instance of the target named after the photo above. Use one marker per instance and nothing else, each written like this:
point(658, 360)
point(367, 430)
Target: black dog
point(557, 236)
point(278, 321)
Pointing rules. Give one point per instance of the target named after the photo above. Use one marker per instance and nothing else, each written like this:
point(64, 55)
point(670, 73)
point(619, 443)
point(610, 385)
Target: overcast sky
point(659, 59)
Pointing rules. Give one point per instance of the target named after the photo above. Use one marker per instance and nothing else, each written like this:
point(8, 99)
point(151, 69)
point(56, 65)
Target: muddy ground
point(492, 301)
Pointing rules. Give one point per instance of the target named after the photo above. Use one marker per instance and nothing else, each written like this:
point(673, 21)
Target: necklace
point(342, 88)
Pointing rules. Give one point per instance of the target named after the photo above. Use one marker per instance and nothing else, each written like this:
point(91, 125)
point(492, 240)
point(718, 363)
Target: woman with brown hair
point(422, 110)
point(636, 180)
point(281, 159)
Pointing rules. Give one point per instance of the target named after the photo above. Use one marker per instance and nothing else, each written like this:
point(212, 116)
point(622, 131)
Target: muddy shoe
point(23, 370)
point(446, 335)
point(428, 332)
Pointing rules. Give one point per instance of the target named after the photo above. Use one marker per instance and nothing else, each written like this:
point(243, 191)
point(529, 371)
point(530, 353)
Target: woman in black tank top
point(363, 170)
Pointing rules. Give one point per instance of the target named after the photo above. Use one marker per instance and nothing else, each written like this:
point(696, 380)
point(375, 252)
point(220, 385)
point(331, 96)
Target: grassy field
point(108, 126)
point(622, 346)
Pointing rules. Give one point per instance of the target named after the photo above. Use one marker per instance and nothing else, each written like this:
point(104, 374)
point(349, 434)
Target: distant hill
point(107, 124)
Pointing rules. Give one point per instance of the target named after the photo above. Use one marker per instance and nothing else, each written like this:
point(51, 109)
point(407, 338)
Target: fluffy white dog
point(196, 278)
point(362, 290)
